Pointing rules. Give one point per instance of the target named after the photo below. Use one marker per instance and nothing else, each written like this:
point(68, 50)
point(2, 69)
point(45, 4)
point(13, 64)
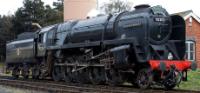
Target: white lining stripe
point(20, 41)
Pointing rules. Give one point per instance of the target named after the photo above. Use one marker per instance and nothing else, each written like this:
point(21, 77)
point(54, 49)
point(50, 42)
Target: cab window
point(50, 36)
point(40, 39)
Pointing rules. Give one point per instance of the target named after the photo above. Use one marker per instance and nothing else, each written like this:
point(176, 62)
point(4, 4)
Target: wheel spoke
point(113, 77)
point(56, 74)
point(25, 72)
point(97, 75)
point(67, 74)
point(144, 78)
point(35, 72)
point(172, 79)
point(15, 72)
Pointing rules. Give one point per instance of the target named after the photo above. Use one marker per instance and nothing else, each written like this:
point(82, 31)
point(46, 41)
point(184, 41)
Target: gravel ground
point(5, 89)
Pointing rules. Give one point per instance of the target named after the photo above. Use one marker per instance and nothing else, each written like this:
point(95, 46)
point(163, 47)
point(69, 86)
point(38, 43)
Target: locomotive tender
point(144, 47)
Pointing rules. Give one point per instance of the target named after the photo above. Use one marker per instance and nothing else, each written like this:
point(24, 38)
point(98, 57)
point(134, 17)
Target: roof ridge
point(184, 13)
point(188, 13)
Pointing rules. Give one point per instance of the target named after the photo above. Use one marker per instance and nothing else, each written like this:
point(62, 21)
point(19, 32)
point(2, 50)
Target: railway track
point(60, 87)
point(53, 87)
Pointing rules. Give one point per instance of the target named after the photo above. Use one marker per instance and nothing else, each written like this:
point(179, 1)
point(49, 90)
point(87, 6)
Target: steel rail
point(58, 87)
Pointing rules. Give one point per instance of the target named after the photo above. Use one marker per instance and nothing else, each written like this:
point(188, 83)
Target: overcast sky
point(10, 6)
point(173, 6)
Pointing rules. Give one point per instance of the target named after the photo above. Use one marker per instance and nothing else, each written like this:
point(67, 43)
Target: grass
point(1, 64)
point(193, 82)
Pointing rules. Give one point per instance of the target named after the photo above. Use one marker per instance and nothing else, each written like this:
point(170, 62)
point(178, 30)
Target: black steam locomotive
point(144, 47)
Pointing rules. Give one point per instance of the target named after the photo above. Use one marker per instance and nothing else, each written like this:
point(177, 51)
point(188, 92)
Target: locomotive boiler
point(144, 47)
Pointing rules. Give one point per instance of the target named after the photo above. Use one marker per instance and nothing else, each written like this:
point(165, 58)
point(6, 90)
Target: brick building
point(192, 36)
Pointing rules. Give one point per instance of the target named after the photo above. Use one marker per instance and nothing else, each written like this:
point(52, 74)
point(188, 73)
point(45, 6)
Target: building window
point(190, 50)
point(190, 21)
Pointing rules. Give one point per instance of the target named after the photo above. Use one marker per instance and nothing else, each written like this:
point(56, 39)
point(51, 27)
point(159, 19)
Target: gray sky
point(172, 6)
point(10, 6)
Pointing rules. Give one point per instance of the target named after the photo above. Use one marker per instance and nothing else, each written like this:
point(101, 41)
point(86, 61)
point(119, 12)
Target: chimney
point(142, 6)
point(78, 9)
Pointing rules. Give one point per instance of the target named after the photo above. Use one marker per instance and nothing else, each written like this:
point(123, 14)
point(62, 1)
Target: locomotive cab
point(41, 41)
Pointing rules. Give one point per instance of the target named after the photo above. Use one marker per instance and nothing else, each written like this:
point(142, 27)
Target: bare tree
point(115, 6)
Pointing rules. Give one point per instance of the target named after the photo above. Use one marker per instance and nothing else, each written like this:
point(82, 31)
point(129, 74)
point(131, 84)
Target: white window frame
point(190, 21)
point(44, 38)
point(188, 51)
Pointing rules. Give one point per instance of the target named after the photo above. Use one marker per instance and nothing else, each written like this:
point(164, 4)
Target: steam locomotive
point(143, 47)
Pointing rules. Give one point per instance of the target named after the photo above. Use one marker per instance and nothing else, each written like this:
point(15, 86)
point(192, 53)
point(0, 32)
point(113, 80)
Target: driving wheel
point(144, 78)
